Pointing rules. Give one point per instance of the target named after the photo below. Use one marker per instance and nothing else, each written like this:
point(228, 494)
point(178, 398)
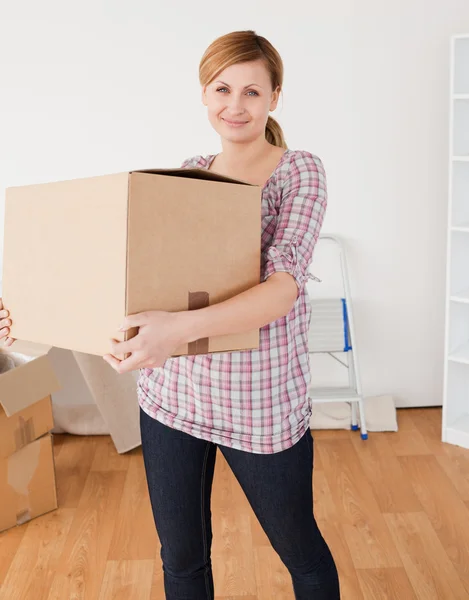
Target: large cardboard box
point(80, 255)
point(27, 479)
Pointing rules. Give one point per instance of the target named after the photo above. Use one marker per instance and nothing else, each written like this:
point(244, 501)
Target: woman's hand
point(5, 324)
point(159, 334)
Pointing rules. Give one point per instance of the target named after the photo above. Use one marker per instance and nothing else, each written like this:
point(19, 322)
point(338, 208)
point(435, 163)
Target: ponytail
point(274, 133)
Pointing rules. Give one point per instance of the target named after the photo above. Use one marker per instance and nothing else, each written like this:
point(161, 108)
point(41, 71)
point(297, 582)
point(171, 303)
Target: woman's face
point(239, 101)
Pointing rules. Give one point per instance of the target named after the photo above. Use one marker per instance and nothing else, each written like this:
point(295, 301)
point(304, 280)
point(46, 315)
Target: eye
point(220, 89)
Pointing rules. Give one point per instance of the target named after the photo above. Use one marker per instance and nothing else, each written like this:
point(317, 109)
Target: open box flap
point(193, 174)
point(28, 382)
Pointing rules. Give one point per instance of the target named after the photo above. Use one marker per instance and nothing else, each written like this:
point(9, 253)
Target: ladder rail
point(353, 361)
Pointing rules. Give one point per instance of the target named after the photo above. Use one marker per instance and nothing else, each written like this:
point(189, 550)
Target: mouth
point(235, 123)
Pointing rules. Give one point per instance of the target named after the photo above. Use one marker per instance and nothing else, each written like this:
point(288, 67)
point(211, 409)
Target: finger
point(9, 341)
point(5, 323)
point(1, 303)
point(136, 320)
point(129, 364)
point(112, 361)
point(4, 313)
point(123, 347)
point(121, 366)
point(4, 332)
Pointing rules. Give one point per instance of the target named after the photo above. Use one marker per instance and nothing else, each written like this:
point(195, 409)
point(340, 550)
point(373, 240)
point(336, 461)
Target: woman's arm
point(249, 310)
point(286, 269)
point(160, 333)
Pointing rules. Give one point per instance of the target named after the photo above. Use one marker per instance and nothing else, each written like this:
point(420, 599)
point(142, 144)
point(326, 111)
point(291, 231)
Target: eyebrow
point(250, 85)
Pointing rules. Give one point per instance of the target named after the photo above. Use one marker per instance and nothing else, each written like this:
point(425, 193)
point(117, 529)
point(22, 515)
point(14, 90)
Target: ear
point(204, 95)
point(275, 98)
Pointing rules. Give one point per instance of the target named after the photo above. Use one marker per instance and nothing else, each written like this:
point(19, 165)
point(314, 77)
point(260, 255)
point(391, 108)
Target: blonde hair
point(244, 46)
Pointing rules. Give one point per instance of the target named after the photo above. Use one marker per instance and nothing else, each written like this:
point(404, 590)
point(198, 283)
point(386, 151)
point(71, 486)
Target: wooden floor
point(394, 510)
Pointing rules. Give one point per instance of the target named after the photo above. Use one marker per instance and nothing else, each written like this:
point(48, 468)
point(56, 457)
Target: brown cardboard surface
point(31, 380)
point(25, 426)
point(27, 483)
point(68, 242)
point(183, 247)
point(91, 251)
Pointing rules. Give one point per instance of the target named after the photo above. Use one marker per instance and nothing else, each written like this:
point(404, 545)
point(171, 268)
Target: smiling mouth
point(234, 123)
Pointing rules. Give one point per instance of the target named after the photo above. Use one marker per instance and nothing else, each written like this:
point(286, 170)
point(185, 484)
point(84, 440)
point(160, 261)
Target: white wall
point(104, 87)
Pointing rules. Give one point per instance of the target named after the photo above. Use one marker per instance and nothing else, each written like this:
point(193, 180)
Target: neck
point(238, 156)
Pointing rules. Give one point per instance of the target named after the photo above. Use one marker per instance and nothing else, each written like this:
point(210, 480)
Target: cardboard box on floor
point(79, 255)
point(27, 477)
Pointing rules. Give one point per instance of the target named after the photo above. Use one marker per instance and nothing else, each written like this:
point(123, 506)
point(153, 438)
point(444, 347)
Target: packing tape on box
point(21, 468)
point(198, 300)
point(24, 433)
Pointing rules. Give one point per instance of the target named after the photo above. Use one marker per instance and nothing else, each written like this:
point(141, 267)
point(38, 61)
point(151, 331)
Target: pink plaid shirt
point(254, 400)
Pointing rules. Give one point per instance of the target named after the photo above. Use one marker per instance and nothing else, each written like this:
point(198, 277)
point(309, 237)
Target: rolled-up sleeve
point(300, 217)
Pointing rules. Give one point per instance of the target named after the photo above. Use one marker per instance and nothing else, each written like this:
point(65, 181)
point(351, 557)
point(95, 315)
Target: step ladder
point(332, 332)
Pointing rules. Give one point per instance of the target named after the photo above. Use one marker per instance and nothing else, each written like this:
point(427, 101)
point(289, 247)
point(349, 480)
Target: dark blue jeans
point(180, 468)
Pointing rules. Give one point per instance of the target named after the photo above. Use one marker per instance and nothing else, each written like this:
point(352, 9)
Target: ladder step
point(327, 331)
point(329, 393)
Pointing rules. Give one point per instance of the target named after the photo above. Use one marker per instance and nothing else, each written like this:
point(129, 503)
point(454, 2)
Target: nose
point(235, 104)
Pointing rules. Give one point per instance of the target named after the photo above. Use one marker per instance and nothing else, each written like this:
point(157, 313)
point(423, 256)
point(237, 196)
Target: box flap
point(26, 348)
point(193, 174)
point(29, 382)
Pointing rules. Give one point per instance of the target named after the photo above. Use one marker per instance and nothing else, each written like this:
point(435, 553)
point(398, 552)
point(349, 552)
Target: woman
point(253, 405)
